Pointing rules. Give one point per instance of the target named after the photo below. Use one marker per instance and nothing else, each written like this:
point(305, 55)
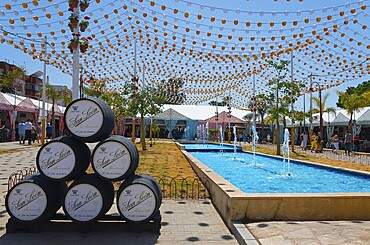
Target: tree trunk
point(142, 133)
point(53, 120)
point(277, 136)
point(133, 130)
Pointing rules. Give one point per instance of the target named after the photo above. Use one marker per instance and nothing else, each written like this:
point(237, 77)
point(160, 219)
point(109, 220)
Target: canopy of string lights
point(214, 47)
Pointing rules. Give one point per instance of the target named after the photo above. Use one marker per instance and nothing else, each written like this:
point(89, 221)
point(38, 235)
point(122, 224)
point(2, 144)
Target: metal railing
point(17, 176)
point(172, 187)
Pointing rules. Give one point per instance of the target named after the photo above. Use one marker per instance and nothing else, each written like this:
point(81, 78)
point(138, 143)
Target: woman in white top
point(304, 137)
point(336, 144)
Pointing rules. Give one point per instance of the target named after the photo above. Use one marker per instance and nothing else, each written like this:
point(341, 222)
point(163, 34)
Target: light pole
point(320, 105)
point(229, 116)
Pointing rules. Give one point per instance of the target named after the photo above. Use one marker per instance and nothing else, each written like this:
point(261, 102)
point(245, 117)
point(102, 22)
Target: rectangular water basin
point(235, 204)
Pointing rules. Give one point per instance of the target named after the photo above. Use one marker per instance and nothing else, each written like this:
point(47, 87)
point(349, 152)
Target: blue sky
point(254, 11)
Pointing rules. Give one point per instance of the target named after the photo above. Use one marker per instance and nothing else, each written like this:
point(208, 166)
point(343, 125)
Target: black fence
point(172, 187)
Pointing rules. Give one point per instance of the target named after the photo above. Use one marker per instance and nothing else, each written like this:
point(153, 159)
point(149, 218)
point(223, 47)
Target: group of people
point(317, 143)
point(28, 132)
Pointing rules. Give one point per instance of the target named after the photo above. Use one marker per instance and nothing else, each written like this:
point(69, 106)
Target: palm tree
point(9, 78)
point(353, 103)
point(54, 95)
point(324, 109)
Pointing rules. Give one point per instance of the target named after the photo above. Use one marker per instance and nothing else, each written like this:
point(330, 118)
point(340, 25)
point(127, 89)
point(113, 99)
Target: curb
point(242, 234)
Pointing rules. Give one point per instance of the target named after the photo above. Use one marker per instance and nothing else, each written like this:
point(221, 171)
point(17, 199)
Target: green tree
point(324, 109)
point(278, 85)
point(260, 105)
point(360, 89)
point(170, 91)
point(54, 95)
point(117, 103)
point(219, 103)
point(353, 102)
point(9, 78)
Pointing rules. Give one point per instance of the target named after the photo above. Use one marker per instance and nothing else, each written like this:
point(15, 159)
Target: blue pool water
point(210, 147)
point(269, 175)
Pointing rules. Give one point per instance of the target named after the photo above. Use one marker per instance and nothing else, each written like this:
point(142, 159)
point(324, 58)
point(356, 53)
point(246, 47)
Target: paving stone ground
point(183, 221)
point(311, 232)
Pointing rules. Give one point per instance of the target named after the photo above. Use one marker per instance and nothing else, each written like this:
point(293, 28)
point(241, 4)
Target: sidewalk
point(183, 221)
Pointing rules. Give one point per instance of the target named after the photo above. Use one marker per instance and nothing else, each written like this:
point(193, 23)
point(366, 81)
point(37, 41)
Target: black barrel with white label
point(89, 119)
point(139, 198)
point(88, 198)
point(35, 199)
point(63, 158)
point(115, 158)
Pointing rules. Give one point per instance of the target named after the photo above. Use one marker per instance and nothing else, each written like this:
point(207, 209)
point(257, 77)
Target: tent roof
point(340, 119)
point(4, 103)
point(224, 117)
point(171, 114)
point(203, 112)
point(364, 119)
point(38, 103)
point(27, 106)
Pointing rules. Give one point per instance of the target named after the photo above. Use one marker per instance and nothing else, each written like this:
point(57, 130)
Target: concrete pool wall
point(234, 204)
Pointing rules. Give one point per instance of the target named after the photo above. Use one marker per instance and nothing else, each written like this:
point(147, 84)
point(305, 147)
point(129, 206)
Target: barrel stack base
point(108, 223)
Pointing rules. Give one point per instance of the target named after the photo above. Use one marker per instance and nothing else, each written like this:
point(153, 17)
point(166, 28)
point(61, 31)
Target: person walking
point(268, 138)
point(304, 137)
point(28, 129)
point(347, 143)
point(49, 131)
point(22, 132)
point(335, 144)
point(356, 143)
point(314, 142)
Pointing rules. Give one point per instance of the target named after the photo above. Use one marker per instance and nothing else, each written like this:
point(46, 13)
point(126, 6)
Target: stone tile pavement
point(311, 232)
point(183, 221)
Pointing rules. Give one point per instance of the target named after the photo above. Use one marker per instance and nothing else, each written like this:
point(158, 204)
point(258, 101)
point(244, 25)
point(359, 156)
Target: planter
point(73, 22)
point(83, 7)
point(83, 48)
point(70, 27)
point(83, 27)
point(74, 45)
point(73, 3)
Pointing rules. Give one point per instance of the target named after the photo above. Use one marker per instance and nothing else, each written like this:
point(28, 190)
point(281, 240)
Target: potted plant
point(84, 23)
point(84, 4)
point(73, 20)
point(70, 47)
point(73, 43)
point(84, 45)
point(73, 3)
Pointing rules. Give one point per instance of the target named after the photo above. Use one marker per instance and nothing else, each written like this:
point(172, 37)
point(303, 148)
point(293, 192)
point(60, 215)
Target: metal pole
point(311, 119)
point(134, 81)
point(321, 120)
point(304, 109)
point(292, 102)
point(43, 112)
point(254, 101)
point(76, 56)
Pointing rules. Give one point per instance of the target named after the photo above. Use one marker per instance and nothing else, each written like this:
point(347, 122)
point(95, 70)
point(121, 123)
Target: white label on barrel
point(84, 118)
point(27, 201)
point(83, 202)
point(137, 202)
point(56, 160)
point(111, 160)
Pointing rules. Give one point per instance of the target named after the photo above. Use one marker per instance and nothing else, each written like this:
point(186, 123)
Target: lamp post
point(229, 116)
point(320, 105)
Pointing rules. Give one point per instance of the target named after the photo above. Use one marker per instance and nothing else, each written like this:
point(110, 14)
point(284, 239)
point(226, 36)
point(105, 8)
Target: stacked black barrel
point(90, 196)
